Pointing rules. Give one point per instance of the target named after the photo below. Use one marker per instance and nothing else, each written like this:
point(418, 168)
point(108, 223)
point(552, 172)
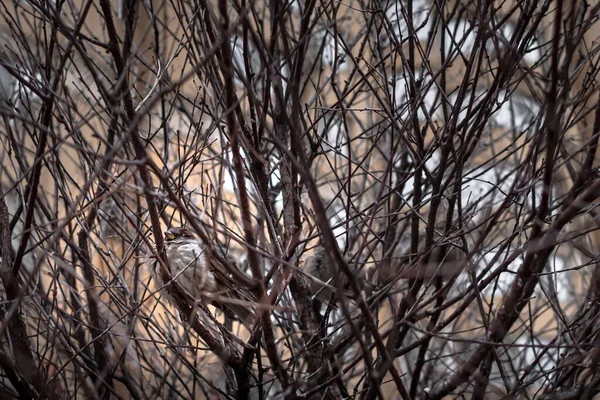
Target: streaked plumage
point(188, 263)
point(319, 266)
point(202, 277)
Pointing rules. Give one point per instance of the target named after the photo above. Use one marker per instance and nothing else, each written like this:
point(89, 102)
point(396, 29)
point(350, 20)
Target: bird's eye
point(186, 233)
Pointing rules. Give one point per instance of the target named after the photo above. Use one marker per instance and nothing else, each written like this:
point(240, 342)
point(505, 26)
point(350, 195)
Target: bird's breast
point(187, 261)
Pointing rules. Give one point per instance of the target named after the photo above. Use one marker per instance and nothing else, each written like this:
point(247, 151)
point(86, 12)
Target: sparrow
point(202, 277)
point(323, 273)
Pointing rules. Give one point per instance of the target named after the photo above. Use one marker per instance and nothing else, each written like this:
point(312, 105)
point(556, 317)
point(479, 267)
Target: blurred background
point(436, 158)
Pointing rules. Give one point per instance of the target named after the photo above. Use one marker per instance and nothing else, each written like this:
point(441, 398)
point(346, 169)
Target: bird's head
point(178, 233)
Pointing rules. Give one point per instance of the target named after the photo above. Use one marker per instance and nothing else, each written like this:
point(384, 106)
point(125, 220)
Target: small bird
point(323, 274)
point(201, 276)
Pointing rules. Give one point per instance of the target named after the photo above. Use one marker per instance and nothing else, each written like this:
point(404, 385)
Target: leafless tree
point(408, 189)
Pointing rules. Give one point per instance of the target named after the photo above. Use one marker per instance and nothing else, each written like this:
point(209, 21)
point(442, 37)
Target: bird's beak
point(169, 235)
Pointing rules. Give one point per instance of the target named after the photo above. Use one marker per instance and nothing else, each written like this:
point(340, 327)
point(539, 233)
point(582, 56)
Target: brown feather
point(201, 276)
